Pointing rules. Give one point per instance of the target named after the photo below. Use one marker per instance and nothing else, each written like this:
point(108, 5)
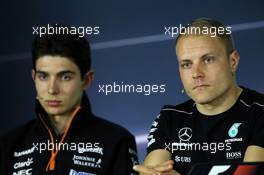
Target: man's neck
point(222, 104)
point(60, 122)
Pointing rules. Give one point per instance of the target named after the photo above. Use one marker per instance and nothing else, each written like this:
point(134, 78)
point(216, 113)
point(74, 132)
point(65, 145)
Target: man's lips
point(200, 86)
point(53, 103)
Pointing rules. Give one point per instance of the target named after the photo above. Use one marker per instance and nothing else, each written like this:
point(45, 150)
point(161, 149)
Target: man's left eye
point(208, 60)
point(66, 77)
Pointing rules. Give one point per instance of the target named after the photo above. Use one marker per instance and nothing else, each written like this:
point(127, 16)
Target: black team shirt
point(192, 137)
point(90, 146)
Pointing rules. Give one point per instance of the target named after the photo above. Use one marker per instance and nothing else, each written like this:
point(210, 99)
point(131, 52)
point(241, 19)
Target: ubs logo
point(185, 134)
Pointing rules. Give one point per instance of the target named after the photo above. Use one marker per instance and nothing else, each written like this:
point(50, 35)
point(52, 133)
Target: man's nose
point(198, 71)
point(53, 87)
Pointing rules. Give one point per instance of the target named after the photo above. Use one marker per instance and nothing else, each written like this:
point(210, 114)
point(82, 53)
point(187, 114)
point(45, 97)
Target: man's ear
point(33, 74)
point(234, 60)
point(87, 79)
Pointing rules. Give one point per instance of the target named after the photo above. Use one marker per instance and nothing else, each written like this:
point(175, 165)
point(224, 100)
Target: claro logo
point(218, 169)
point(24, 164)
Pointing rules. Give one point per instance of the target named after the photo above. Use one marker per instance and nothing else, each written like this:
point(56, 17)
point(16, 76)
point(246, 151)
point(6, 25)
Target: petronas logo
point(233, 131)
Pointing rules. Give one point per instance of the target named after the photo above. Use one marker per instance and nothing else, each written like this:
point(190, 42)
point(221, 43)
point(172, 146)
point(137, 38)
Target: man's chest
point(71, 158)
point(207, 140)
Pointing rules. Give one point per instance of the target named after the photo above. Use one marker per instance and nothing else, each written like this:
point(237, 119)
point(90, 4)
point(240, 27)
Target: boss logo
point(233, 155)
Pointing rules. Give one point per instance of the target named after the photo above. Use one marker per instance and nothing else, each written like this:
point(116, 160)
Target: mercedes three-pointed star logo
point(185, 134)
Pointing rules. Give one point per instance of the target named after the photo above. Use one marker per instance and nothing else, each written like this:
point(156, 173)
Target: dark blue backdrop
point(130, 48)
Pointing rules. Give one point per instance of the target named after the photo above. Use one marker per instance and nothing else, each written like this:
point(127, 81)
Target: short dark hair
point(71, 46)
point(199, 23)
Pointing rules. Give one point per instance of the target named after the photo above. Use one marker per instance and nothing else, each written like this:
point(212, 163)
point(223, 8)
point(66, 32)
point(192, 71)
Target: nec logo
point(73, 172)
point(23, 172)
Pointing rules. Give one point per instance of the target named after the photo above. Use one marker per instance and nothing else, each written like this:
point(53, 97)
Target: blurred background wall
point(131, 48)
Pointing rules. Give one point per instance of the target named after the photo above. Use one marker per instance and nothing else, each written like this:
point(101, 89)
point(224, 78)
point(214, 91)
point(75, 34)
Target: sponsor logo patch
point(73, 172)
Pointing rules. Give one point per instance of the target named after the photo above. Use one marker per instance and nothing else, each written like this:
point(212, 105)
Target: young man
point(222, 121)
point(65, 138)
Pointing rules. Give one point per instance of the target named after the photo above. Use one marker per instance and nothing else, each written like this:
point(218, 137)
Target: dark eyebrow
point(59, 73)
point(65, 72)
point(40, 72)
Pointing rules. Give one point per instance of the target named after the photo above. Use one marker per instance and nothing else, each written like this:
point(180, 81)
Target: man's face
point(58, 84)
point(205, 68)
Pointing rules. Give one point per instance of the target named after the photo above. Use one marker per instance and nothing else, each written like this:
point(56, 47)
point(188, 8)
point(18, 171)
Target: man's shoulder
point(111, 128)
point(186, 107)
point(252, 99)
point(18, 132)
